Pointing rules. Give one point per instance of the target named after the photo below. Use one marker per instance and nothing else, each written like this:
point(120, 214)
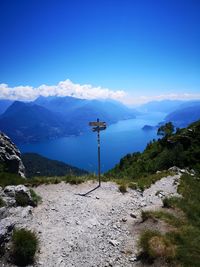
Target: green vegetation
point(140, 182)
point(10, 179)
point(37, 165)
point(181, 149)
point(14, 179)
point(170, 202)
point(165, 216)
point(24, 246)
point(155, 245)
point(22, 200)
point(123, 188)
point(2, 202)
point(185, 238)
point(166, 130)
point(35, 198)
point(71, 179)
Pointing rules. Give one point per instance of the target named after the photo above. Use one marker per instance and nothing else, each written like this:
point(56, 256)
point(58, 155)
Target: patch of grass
point(35, 197)
point(170, 202)
point(10, 179)
point(187, 241)
point(2, 202)
point(162, 215)
point(133, 185)
point(123, 188)
point(186, 237)
point(36, 181)
point(24, 246)
point(155, 245)
point(75, 180)
point(140, 182)
point(146, 181)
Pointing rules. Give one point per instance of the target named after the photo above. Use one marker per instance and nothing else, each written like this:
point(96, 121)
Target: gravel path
point(92, 231)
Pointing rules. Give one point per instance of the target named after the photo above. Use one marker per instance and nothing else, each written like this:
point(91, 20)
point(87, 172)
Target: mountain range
point(53, 117)
point(180, 113)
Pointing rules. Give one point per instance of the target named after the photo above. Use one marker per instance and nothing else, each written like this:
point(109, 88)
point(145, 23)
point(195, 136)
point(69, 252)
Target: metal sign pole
point(97, 127)
point(99, 159)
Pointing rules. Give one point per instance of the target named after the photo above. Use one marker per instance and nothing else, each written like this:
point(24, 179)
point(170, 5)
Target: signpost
point(97, 127)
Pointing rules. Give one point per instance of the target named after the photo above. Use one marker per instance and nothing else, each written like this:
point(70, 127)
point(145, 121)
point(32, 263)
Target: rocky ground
point(97, 230)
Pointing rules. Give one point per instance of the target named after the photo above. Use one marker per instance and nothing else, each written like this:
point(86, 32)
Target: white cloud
point(63, 88)
point(86, 91)
point(138, 100)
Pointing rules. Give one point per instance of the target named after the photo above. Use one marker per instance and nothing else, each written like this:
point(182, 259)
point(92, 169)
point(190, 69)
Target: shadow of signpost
point(85, 194)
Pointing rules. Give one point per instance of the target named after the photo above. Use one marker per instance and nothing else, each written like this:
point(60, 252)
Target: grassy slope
point(184, 239)
point(181, 149)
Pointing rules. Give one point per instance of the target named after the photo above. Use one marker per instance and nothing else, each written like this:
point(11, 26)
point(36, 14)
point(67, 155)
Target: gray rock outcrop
point(10, 156)
point(12, 213)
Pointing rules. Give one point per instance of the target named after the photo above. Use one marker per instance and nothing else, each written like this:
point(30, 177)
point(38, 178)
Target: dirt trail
point(91, 231)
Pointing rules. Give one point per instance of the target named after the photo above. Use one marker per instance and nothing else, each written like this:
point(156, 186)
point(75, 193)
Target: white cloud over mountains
point(86, 91)
point(63, 88)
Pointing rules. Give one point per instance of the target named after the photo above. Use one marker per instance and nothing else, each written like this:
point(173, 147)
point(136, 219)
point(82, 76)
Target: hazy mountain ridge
point(165, 106)
point(180, 113)
point(182, 117)
point(53, 117)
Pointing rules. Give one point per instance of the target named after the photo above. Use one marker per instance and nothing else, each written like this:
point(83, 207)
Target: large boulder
point(10, 156)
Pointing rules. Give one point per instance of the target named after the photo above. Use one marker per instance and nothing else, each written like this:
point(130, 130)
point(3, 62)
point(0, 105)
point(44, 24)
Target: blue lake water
point(116, 141)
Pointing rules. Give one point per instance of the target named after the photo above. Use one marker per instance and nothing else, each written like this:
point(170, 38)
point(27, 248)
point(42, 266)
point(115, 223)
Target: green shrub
point(24, 246)
point(2, 202)
point(123, 188)
point(155, 245)
point(145, 215)
point(35, 198)
point(170, 202)
point(133, 186)
point(22, 200)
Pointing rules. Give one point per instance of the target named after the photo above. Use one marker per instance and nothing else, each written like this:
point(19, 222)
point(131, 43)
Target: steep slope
point(37, 165)
point(181, 149)
point(10, 157)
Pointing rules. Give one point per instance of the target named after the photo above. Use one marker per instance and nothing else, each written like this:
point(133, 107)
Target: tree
point(166, 130)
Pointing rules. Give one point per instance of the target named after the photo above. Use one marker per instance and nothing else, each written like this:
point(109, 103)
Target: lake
point(116, 141)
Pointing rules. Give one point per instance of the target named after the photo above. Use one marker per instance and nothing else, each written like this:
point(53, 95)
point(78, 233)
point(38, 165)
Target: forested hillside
point(37, 165)
point(181, 149)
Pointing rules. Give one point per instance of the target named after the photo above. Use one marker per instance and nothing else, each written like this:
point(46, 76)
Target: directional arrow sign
point(97, 128)
point(97, 123)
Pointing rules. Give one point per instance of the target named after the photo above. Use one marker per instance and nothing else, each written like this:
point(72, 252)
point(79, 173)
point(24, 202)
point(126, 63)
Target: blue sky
point(148, 48)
